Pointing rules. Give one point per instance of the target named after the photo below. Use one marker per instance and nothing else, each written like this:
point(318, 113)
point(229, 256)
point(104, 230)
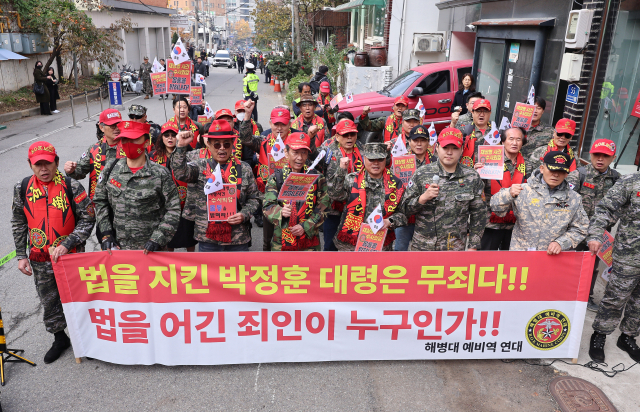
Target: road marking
point(7, 258)
point(255, 386)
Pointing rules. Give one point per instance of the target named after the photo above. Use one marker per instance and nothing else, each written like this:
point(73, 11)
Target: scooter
point(130, 82)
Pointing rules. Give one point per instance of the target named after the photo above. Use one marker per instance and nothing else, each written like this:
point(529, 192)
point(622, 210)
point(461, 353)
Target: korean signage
point(115, 94)
point(493, 159)
point(522, 115)
point(195, 98)
point(369, 241)
point(223, 204)
point(296, 186)
point(159, 82)
point(187, 309)
point(179, 77)
point(404, 167)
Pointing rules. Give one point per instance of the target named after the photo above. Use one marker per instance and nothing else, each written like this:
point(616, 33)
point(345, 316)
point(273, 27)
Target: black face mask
point(39, 66)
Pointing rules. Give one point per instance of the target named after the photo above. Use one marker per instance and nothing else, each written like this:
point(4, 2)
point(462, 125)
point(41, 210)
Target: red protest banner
point(159, 82)
point(606, 250)
point(202, 119)
point(493, 159)
point(178, 77)
point(174, 308)
point(522, 115)
point(369, 241)
point(195, 98)
point(636, 107)
point(222, 204)
point(296, 186)
point(404, 167)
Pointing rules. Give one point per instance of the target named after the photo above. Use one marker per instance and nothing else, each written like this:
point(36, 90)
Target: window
point(375, 19)
point(401, 83)
point(436, 83)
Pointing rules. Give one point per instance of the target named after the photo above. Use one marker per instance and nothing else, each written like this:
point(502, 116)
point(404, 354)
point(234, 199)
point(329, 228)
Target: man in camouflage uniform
point(560, 141)
point(197, 167)
point(461, 121)
point(452, 203)
point(389, 126)
point(145, 76)
point(475, 132)
point(137, 201)
point(538, 134)
point(138, 113)
point(549, 215)
point(622, 202)
point(592, 182)
point(296, 224)
point(60, 206)
point(381, 188)
point(309, 122)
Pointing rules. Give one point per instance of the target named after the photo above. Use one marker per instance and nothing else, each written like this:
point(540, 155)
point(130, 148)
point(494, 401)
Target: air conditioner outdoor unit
point(427, 43)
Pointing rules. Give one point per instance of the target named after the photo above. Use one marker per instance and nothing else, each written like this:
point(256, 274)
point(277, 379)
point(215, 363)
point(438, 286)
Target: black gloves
point(151, 246)
point(109, 241)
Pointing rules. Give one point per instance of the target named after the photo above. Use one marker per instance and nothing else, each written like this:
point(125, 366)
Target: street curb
point(35, 111)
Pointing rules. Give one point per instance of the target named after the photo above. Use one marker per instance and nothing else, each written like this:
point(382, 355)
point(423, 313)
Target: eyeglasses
point(218, 145)
point(135, 117)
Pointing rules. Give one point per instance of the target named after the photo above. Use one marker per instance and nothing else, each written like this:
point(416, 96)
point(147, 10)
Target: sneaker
point(592, 305)
point(596, 348)
point(56, 111)
point(628, 344)
point(57, 349)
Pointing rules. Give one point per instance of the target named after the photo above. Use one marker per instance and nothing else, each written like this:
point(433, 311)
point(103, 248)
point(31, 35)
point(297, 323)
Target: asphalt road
point(337, 386)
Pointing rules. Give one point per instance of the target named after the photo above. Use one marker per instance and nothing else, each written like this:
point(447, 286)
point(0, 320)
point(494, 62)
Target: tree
point(242, 30)
point(174, 38)
point(273, 22)
point(68, 30)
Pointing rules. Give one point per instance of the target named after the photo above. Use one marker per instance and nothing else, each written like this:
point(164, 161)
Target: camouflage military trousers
point(622, 293)
point(147, 87)
point(47, 288)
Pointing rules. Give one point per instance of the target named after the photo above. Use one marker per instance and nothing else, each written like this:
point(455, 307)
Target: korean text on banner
point(522, 115)
point(159, 82)
point(404, 167)
point(179, 77)
point(203, 119)
point(606, 250)
point(493, 159)
point(195, 97)
point(188, 309)
point(223, 204)
point(369, 241)
point(296, 186)
point(636, 107)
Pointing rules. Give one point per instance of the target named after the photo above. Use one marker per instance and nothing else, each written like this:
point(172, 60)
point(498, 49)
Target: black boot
point(628, 344)
point(258, 220)
point(596, 349)
point(60, 344)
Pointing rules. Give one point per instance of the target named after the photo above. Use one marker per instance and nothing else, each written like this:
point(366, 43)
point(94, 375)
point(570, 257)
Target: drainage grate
point(578, 395)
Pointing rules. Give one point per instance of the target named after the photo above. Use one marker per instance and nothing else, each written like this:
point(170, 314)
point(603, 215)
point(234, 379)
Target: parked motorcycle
point(129, 81)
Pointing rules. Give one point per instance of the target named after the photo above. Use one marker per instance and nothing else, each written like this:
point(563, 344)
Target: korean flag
point(493, 137)
point(433, 135)
point(156, 67)
point(215, 182)
point(532, 95)
point(399, 148)
point(208, 111)
point(349, 97)
point(375, 219)
point(277, 151)
point(200, 79)
point(179, 53)
point(504, 124)
point(420, 107)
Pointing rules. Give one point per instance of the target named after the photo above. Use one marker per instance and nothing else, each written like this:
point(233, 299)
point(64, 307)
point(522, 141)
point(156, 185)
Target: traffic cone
point(277, 89)
point(272, 80)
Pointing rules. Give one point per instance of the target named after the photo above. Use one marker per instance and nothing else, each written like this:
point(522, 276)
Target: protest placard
point(159, 82)
point(493, 159)
point(223, 204)
point(369, 241)
point(195, 98)
point(404, 167)
point(203, 119)
point(605, 252)
point(179, 77)
point(336, 100)
point(296, 186)
point(522, 115)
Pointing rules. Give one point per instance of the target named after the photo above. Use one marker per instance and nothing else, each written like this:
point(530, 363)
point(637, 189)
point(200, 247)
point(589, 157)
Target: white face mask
point(240, 116)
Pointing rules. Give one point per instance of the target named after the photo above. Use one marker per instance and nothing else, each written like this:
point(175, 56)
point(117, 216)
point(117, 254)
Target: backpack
point(315, 86)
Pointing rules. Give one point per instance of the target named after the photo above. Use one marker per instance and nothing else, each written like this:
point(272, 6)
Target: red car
point(434, 83)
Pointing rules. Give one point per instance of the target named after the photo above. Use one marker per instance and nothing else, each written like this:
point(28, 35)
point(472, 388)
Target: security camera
point(471, 27)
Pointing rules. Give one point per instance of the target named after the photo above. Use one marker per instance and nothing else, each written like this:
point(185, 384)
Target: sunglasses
point(218, 145)
point(564, 135)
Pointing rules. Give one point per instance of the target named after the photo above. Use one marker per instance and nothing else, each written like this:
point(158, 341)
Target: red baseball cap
point(239, 105)
point(299, 141)
point(169, 126)
point(450, 135)
point(133, 130)
point(482, 103)
point(566, 126)
point(401, 100)
point(220, 129)
point(110, 116)
point(346, 126)
point(604, 146)
point(222, 112)
point(280, 115)
point(325, 87)
point(42, 151)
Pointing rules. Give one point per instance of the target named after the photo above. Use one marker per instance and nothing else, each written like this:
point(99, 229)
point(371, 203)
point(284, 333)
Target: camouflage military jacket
point(375, 125)
point(92, 163)
point(538, 136)
point(595, 186)
point(145, 70)
point(272, 210)
point(333, 156)
point(340, 185)
point(443, 222)
point(543, 217)
point(192, 170)
point(463, 121)
point(85, 219)
point(622, 202)
point(145, 205)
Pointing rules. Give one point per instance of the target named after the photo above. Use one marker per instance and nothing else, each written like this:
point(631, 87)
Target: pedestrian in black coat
point(40, 78)
point(467, 85)
point(52, 86)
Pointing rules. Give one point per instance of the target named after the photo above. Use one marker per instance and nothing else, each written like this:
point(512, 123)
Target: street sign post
point(115, 94)
point(572, 93)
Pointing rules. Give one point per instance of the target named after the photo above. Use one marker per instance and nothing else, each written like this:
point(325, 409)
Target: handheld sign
point(404, 167)
point(368, 241)
point(522, 115)
point(203, 119)
point(196, 95)
point(296, 186)
point(179, 77)
point(223, 204)
point(606, 250)
point(493, 159)
point(337, 99)
point(159, 82)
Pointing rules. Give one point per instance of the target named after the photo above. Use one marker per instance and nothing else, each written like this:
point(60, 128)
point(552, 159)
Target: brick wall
point(387, 24)
point(328, 18)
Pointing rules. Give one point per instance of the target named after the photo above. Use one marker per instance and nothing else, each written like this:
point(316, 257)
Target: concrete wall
point(462, 45)
point(16, 74)
point(366, 79)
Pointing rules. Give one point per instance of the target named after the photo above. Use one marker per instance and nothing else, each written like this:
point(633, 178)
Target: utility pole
point(293, 25)
point(298, 37)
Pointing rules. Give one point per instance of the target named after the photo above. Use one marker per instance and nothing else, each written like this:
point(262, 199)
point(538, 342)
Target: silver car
point(222, 58)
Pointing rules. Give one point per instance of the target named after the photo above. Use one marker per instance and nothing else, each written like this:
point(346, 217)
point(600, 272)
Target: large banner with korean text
point(229, 308)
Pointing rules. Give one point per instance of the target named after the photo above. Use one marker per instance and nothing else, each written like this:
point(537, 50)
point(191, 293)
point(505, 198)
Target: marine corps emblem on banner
point(548, 329)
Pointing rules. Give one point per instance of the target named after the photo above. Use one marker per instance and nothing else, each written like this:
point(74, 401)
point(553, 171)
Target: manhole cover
point(578, 395)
